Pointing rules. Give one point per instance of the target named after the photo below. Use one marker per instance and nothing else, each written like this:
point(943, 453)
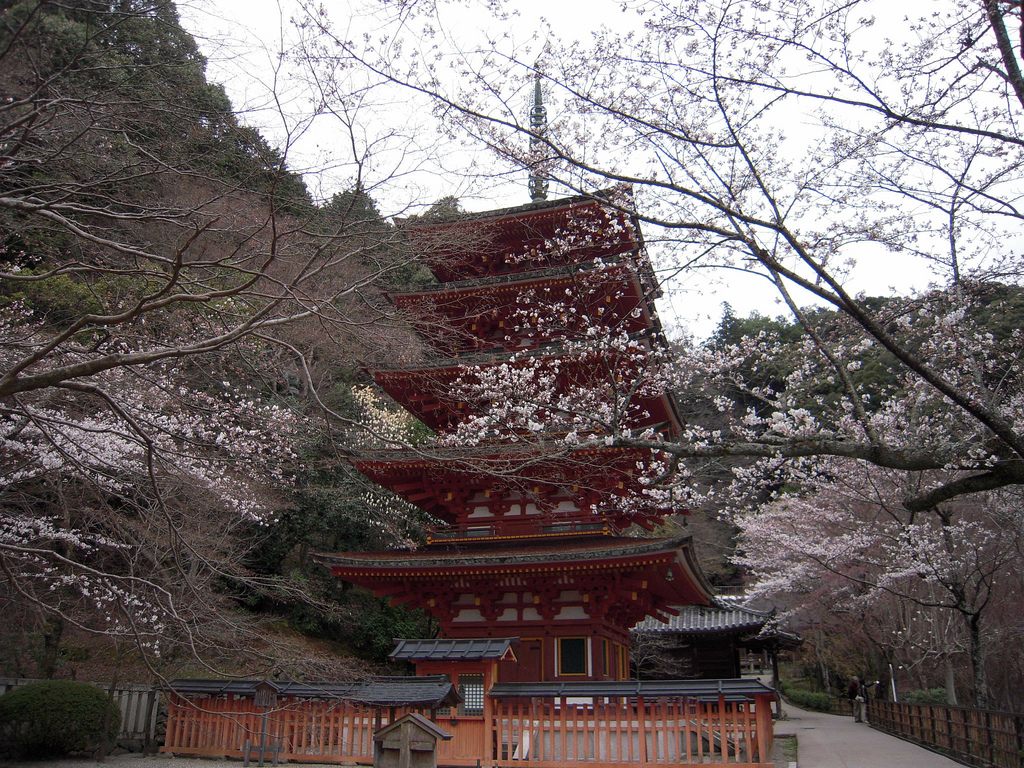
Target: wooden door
point(529, 666)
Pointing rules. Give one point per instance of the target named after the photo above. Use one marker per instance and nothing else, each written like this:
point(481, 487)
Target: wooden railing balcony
point(527, 526)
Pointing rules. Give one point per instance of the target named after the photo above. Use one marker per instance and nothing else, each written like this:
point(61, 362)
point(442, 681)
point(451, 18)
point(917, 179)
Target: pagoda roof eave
point(458, 366)
point(463, 245)
point(533, 276)
point(602, 195)
point(603, 549)
point(675, 554)
point(485, 451)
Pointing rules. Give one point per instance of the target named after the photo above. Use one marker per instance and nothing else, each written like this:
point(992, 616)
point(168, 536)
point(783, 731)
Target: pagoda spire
point(538, 126)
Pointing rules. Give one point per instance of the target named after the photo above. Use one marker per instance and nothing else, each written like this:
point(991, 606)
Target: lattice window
point(472, 689)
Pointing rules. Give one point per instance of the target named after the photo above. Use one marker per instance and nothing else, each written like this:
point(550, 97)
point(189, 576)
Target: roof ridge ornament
point(538, 127)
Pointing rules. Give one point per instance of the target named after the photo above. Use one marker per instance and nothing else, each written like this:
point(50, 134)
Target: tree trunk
point(950, 681)
point(978, 662)
point(53, 631)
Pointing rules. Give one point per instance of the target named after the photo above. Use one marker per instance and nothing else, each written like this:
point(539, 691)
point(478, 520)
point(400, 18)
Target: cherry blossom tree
point(815, 145)
point(169, 299)
point(849, 535)
point(789, 139)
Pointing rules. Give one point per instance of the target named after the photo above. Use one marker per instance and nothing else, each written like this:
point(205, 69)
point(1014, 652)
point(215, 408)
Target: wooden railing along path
point(974, 736)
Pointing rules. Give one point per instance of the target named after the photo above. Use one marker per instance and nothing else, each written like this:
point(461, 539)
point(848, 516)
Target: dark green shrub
point(801, 697)
point(820, 702)
point(935, 697)
point(54, 717)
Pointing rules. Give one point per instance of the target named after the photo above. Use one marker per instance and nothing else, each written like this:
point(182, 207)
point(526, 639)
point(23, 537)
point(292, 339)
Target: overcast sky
point(242, 40)
point(414, 163)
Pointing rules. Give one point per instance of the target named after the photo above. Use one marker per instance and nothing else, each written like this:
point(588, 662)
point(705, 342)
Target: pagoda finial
point(538, 125)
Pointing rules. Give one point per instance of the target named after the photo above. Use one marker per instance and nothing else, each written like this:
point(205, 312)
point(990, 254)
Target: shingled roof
point(454, 650)
point(757, 629)
point(429, 691)
point(710, 690)
point(702, 619)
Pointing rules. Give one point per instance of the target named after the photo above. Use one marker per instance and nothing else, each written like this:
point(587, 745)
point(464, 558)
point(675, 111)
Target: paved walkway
point(832, 741)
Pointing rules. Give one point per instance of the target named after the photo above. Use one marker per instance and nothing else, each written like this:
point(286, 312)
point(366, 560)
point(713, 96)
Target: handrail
point(980, 737)
point(529, 526)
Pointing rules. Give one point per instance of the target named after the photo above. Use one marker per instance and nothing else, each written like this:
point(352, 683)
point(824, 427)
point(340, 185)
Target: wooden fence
point(840, 705)
point(306, 729)
point(667, 731)
point(139, 707)
point(541, 732)
point(974, 736)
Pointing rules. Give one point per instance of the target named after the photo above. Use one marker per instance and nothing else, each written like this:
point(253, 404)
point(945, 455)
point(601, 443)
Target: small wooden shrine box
point(410, 742)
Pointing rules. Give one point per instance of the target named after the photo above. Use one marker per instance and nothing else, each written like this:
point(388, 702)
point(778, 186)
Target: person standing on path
point(852, 691)
point(861, 700)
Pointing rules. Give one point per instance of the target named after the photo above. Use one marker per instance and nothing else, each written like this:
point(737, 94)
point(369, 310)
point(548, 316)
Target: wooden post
point(641, 712)
point(988, 736)
point(149, 722)
point(723, 733)
point(765, 733)
point(1018, 727)
point(773, 655)
point(487, 737)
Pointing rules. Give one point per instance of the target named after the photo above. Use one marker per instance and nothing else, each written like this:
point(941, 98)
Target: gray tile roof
point(448, 650)
point(427, 691)
point(420, 721)
point(733, 690)
point(700, 619)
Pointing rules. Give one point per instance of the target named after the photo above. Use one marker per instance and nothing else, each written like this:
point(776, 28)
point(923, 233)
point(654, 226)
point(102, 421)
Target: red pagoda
point(532, 573)
point(530, 577)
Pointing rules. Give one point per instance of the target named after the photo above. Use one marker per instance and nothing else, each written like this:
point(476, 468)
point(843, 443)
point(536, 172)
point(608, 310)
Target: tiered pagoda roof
point(620, 579)
point(519, 489)
point(532, 542)
point(434, 393)
point(477, 315)
point(528, 237)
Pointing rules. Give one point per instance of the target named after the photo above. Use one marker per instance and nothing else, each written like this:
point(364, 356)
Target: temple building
point(531, 554)
point(543, 557)
point(710, 642)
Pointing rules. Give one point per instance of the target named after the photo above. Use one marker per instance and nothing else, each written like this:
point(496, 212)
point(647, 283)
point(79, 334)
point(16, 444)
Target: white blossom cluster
point(379, 425)
point(130, 426)
point(108, 482)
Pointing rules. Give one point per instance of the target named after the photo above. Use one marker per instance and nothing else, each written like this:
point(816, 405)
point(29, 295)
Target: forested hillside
point(182, 331)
